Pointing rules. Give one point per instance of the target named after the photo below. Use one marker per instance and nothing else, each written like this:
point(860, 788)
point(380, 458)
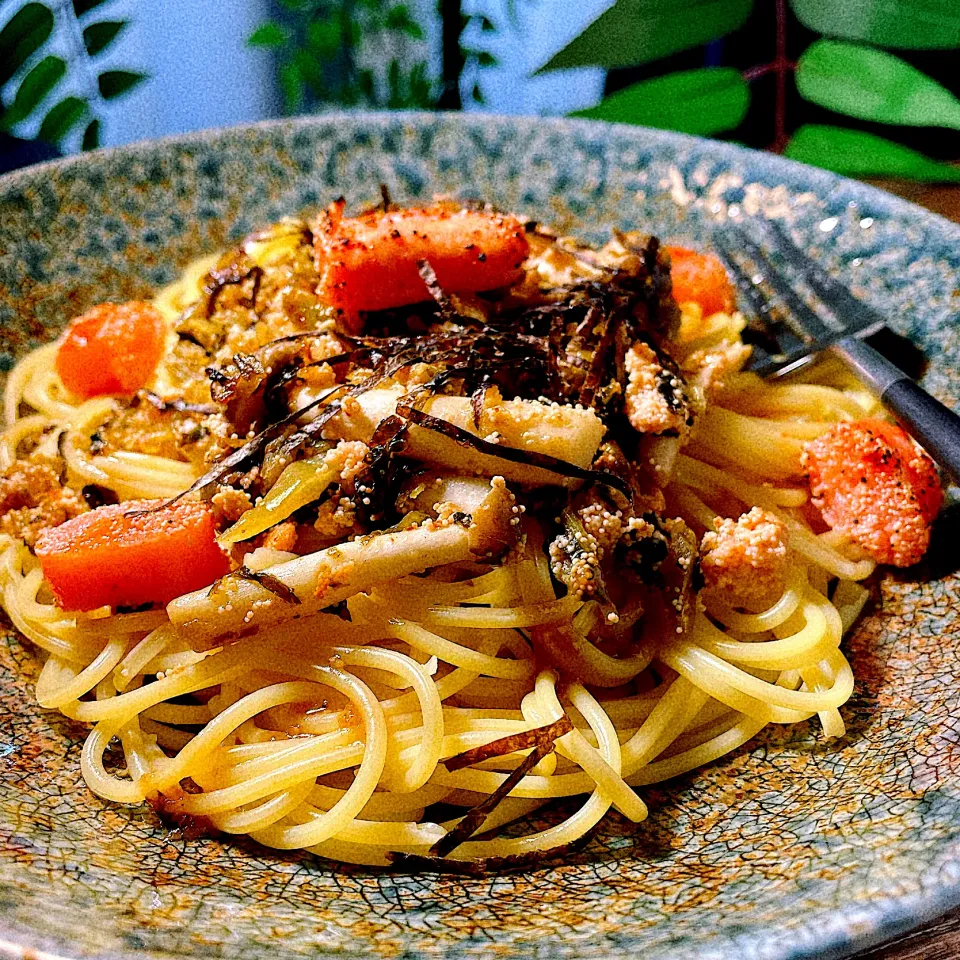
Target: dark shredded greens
point(510, 744)
point(473, 819)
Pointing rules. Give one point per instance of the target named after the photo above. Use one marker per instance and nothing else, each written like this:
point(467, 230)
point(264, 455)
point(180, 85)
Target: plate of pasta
point(401, 557)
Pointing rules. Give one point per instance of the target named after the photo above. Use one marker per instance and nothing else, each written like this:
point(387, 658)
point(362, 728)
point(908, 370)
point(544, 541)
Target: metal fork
point(791, 335)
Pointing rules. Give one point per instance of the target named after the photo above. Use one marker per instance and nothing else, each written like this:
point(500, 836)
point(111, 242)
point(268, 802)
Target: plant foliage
point(873, 85)
point(347, 52)
point(370, 53)
point(859, 154)
point(639, 31)
point(899, 24)
point(845, 71)
point(704, 102)
point(53, 93)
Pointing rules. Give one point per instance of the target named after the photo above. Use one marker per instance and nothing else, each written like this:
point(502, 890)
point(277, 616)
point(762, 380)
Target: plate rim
point(888, 202)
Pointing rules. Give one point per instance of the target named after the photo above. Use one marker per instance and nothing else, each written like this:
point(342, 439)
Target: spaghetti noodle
point(435, 572)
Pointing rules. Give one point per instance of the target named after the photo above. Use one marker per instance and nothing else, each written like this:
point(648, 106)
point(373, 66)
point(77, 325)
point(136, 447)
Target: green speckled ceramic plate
point(788, 848)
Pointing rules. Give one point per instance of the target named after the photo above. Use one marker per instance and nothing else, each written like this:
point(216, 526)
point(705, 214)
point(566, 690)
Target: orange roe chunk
point(371, 262)
point(872, 483)
point(112, 349)
point(115, 557)
point(700, 278)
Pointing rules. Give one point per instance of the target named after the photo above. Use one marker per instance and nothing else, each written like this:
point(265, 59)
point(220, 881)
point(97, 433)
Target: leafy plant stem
point(782, 68)
point(761, 70)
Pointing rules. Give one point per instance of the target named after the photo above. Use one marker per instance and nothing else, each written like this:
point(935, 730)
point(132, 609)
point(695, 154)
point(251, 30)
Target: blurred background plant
point(692, 65)
point(50, 71)
point(351, 53)
point(373, 53)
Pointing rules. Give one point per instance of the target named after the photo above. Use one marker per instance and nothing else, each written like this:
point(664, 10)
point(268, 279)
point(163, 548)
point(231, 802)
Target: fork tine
point(757, 300)
point(805, 322)
point(829, 290)
point(759, 331)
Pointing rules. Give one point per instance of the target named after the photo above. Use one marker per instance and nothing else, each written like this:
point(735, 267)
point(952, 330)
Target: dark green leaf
point(398, 18)
point(486, 25)
point(348, 95)
point(310, 67)
point(421, 88)
point(115, 83)
point(873, 85)
point(294, 4)
point(91, 136)
point(269, 34)
point(98, 36)
point(34, 87)
point(324, 38)
point(22, 36)
point(906, 24)
point(80, 7)
point(477, 94)
point(694, 101)
point(366, 84)
point(486, 59)
point(858, 154)
point(291, 86)
point(638, 31)
point(62, 119)
point(393, 84)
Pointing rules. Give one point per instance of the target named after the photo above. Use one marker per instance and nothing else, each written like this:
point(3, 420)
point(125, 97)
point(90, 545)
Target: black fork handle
point(932, 424)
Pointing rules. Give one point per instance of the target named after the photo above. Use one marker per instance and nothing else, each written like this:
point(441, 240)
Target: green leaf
point(269, 34)
point(99, 36)
point(421, 87)
point(310, 67)
point(858, 154)
point(639, 31)
point(393, 84)
point(291, 86)
point(476, 94)
point(62, 119)
point(22, 36)
point(324, 38)
point(398, 18)
point(873, 85)
point(34, 88)
point(80, 7)
point(91, 136)
point(693, 101)
point(115, 83)
point(486, 24)
point(904, 24)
